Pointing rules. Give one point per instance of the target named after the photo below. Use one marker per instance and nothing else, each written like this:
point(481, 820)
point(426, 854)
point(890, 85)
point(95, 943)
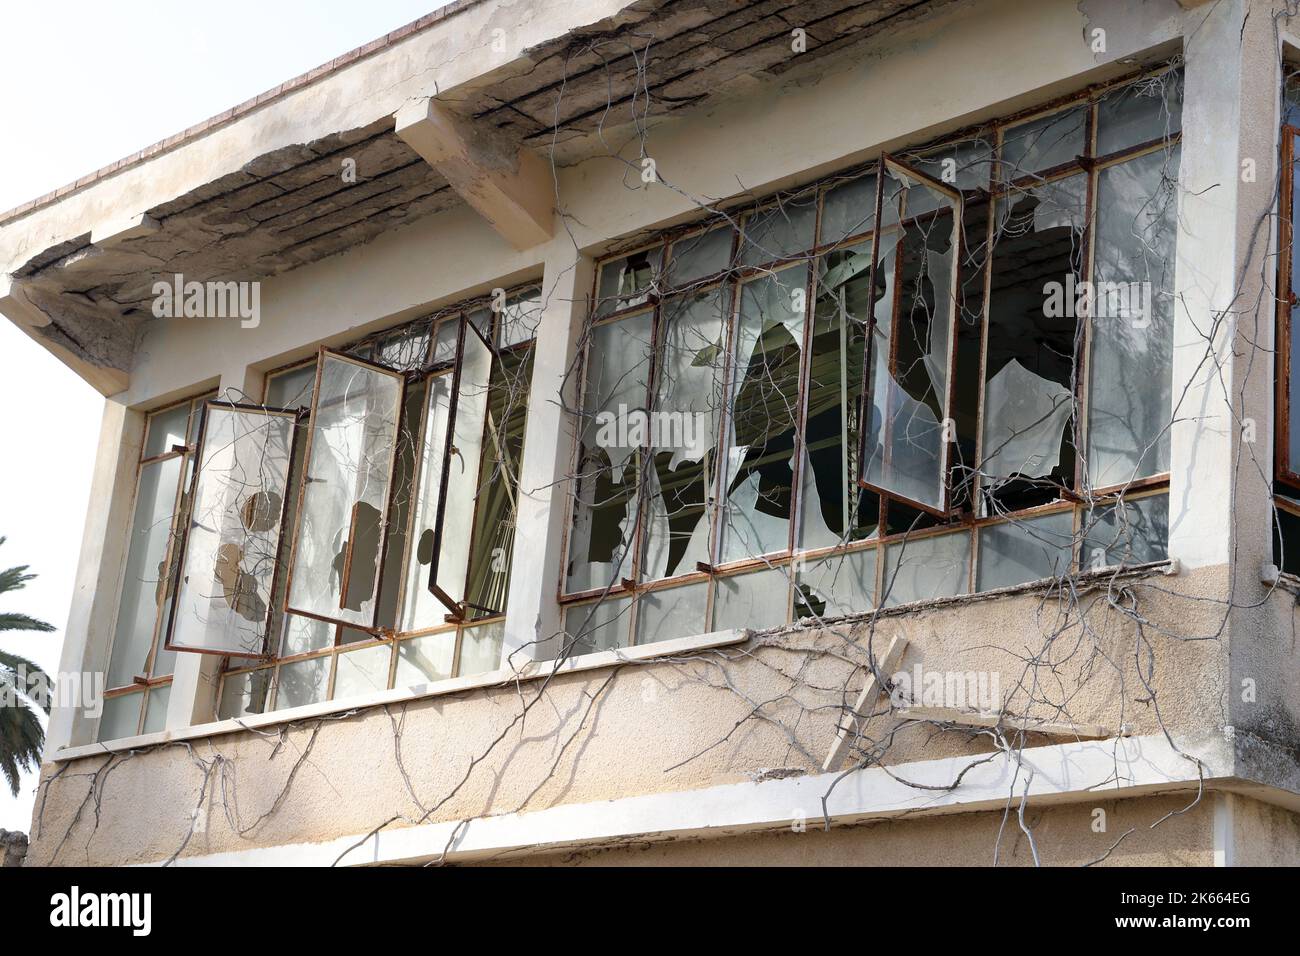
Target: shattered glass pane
point(1135, 531)
point(146, 585)
point(627, 282)
point(155, 712)
point(849, 209)
point(227, 571)
point(833, 508)
point(704, 254)
point(598, 626)
point(915, 314)
point(837, 585)
point(461, 469)
point(604, 520)
point(764, 413)
point(244, 694)
point(423, 660)
point(480, 648)
point(1025, 549)
point(967, 165)
point(120, 717)
point(671, 612)
point(756, 600)
point(345, 496)
point(1028, 449)
point(782, 231)
point(921, 569)
point(166, 428)
point(1148, 109)
point(519, 319)
point(303, 682)
point(1043, 143)
point(498, 487)
point(1131, 350)
point(682, 434)
point(362, 672)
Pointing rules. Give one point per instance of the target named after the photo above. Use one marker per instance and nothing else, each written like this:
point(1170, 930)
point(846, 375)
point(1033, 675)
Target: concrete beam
point(17, 306)
point(113, 233)
point(507, 184)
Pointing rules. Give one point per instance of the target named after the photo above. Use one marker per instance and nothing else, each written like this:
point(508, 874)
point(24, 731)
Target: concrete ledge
point(533, 670)
point(1068, 773)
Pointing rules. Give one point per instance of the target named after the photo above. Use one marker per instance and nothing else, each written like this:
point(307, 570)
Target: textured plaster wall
point(636, 729)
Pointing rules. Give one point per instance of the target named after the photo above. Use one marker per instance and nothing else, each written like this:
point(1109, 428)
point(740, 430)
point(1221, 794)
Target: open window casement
point(908, 372)
point(342, 521)
point(226, 575)
point(459, 416)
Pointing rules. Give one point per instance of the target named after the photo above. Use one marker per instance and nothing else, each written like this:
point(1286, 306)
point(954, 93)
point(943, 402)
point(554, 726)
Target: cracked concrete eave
point(467, 105)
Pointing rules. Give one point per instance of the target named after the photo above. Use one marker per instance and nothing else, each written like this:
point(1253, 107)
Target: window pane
point(144, 584)
point(498, 485)
point(671, 613)
point(1028, 448)
point(167, 428)
point(1151, 108)
point(244, 694)
point(480, 648)
point(849, 209)
point(779, 232)
point(1043, 143)
point(420, 608)
point(302, 635)
point(121, 716)
point(755, 600)
point(920, 569)
point(833, 506)
point(519, 319)
point(1133, 532)
point(423, 660)
point(362, 672)
point(292, 388)
point(234, 532)
point(1024, 550)
point(837, 585)
point(1131, 352)
point(764, 411)
point(906, 450)
point(405, 349)
point(683, 430)
point(598, 626)
point(604, 522)
point(155, 717)
point(354, 431)
point(627, 282)
point(303, 682)
point(704, 254)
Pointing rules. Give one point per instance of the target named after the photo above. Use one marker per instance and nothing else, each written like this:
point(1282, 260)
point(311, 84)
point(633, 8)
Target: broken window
point(763, 415)
point(433, 447)
point(954, 361)
point(223, 600)
point(334, 573)
point(910, 344)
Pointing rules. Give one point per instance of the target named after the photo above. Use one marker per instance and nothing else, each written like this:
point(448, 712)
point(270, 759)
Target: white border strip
point(533, 670)
point(1060, 774)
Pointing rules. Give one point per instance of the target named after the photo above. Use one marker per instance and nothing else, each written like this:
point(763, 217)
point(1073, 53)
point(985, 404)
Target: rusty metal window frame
point(1088, 164)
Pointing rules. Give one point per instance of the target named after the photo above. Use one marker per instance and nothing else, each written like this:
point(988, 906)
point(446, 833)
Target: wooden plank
point(971, 718)
point(862, 709)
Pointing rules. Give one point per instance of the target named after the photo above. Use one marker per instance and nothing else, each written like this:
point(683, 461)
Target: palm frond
point(12, 621)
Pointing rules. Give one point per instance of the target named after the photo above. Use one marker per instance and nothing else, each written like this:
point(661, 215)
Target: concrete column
point(533, 616)
point(194, 682)
point(89, 636)
point(1223, 322)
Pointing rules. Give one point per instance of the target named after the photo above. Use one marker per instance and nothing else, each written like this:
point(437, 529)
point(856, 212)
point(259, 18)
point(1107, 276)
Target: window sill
point(533, 670)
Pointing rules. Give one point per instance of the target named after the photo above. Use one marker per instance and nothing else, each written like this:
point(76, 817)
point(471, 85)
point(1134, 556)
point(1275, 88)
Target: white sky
point(85, 83)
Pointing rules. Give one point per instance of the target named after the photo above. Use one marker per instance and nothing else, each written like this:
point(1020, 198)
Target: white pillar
point(533, 614)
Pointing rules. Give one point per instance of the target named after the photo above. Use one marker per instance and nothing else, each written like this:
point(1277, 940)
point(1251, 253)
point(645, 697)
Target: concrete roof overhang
point(468, 104)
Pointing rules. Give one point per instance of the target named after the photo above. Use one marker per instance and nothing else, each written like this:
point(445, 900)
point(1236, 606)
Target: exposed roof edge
point(243, 109)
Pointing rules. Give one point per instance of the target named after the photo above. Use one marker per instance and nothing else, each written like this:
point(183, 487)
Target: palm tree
point(21, 733)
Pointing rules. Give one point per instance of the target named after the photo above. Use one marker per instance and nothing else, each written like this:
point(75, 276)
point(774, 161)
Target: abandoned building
point(716, 432)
